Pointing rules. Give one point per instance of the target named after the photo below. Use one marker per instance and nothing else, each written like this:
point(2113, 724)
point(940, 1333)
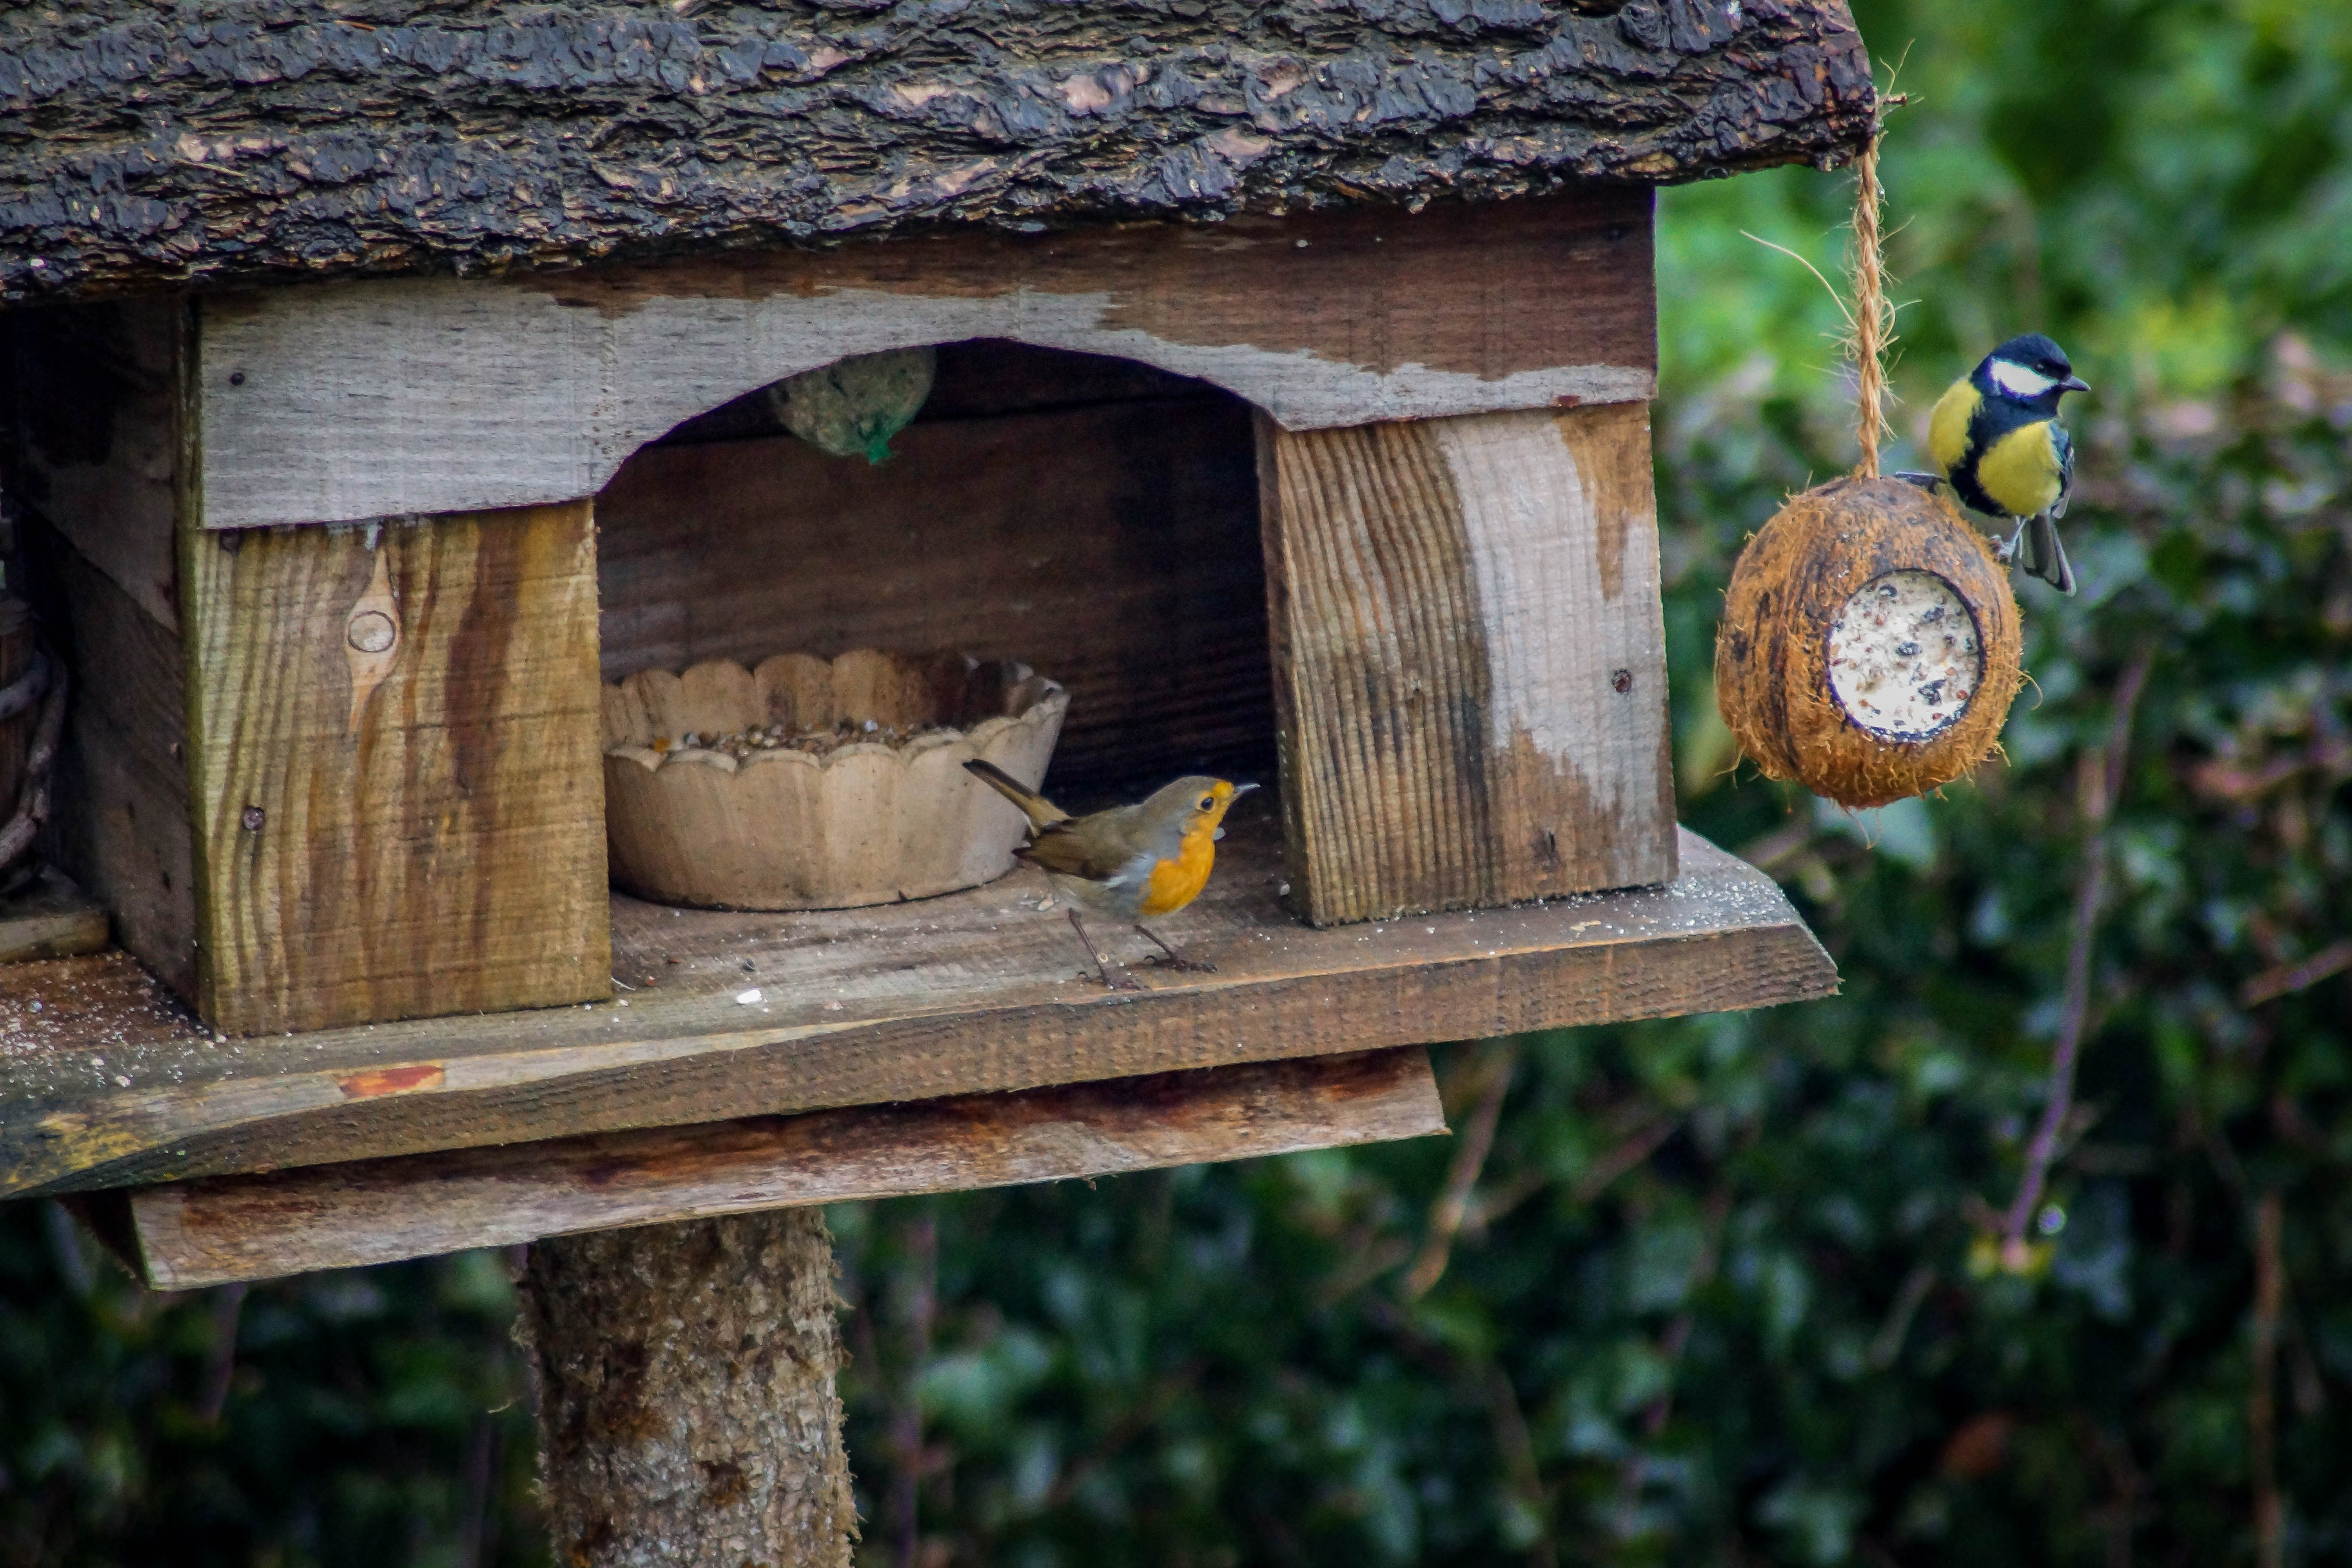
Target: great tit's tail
point(2039, 553)
point(1040, 812)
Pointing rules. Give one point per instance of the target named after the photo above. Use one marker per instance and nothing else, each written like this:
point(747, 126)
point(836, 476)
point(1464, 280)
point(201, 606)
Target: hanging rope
point(1869, 320)
point(1874, 315)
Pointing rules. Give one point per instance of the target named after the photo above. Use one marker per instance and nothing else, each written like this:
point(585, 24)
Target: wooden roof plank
point(139, 150)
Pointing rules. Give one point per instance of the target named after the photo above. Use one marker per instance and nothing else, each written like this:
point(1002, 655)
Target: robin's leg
point(1123, 981)
point(1175, 960)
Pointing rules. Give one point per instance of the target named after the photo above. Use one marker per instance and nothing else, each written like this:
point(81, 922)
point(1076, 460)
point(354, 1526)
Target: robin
point(1146, 859)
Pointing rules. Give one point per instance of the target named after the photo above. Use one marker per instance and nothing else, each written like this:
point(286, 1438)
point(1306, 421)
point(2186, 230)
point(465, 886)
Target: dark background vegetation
point(1725, 1291)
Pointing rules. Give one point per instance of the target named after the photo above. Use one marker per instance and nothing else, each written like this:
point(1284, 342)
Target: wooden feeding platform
point(1290, 415)
point(109, 1083)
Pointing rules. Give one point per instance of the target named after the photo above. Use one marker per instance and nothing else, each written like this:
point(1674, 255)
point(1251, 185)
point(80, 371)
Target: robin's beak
point(2073, 383)
point(1241, 790)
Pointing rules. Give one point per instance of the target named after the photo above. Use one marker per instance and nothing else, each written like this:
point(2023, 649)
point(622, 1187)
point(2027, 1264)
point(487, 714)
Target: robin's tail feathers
point(1040, 811)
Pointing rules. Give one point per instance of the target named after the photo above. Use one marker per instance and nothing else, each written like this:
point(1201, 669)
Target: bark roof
point(145, 143)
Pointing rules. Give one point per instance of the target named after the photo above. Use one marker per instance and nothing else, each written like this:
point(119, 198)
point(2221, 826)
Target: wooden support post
point(394, 741)
point(687, 1410)
point(1469, 656)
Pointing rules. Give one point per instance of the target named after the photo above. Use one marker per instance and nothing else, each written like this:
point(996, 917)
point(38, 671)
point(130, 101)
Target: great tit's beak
point(2073, 383)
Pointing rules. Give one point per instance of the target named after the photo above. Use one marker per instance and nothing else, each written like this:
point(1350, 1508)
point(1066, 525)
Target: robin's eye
point(1207, 803)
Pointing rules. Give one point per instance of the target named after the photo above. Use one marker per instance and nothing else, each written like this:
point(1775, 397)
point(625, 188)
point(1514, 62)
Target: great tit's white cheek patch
point(2019, 381)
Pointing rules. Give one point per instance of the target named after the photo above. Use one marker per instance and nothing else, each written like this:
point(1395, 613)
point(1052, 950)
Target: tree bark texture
point(687, 1410)
point(220, 140)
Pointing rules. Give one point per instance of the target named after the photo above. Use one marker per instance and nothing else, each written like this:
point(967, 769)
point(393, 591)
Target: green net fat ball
point(851, 407)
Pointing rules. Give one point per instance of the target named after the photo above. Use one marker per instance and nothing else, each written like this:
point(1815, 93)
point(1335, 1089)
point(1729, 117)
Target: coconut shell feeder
point(1870, 644)
point(1869, 648)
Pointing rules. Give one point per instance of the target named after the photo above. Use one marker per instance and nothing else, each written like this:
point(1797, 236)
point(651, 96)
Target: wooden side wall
point(394, 736)
point(89, 464)
point(1469, 660)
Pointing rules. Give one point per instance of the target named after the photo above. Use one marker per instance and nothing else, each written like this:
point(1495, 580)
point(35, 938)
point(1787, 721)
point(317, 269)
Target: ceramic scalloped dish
point(804, 785)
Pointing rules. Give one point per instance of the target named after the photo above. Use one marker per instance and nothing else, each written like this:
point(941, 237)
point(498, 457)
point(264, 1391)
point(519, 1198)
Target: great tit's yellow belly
point(2020, 471)
point(1948, 426)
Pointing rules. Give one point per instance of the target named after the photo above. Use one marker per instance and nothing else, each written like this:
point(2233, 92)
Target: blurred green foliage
point(369, 1417)
point(1724, 1292)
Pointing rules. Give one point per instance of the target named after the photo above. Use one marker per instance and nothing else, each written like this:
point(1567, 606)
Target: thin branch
point(481, 1480)
point(1513, 1442)
point(920, 1306)
point(1148, 1415)
point(1516, 1446)
point(1887, 1343)
point(220, 1357)
point(2100, 790)
point(2289, 978)
point(2262, 1399)
point(1597, 1177)
point(1491, 1203)
point(1453, 1203)
point(1671, 1346)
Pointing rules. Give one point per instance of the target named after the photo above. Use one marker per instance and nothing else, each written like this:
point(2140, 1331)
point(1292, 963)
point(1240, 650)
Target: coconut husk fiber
point(1792, 584)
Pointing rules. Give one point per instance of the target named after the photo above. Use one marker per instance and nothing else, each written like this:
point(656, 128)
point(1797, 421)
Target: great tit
point(1996, 439)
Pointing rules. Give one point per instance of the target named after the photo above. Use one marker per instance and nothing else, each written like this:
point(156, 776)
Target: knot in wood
point(251, 818)
point(1622, 681)
point(372, 631)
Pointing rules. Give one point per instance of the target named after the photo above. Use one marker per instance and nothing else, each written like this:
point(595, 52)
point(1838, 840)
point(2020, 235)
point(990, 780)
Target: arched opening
point(1093, 517)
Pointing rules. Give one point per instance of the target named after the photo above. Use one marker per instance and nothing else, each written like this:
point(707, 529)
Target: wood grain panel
point(120, 823)
point(1469, 659)
point(355, 401)
point(972, 992)
point(398, 809)
point(93, 433)
point(1113, 548)
point(91, 462)
point(338, 1217)
point(50, 919)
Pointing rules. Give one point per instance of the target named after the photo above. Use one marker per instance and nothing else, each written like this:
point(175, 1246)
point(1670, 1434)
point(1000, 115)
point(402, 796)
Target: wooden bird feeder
point(350, 458)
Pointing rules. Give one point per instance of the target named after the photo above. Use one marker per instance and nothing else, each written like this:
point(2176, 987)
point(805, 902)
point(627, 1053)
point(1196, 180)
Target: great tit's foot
point(2006, 551)
point(1925, 481)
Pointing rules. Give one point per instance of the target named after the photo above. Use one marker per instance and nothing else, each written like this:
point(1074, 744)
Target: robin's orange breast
point(1177, 882)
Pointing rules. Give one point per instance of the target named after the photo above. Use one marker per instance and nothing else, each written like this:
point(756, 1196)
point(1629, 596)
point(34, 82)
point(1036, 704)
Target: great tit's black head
point(2029, 369)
